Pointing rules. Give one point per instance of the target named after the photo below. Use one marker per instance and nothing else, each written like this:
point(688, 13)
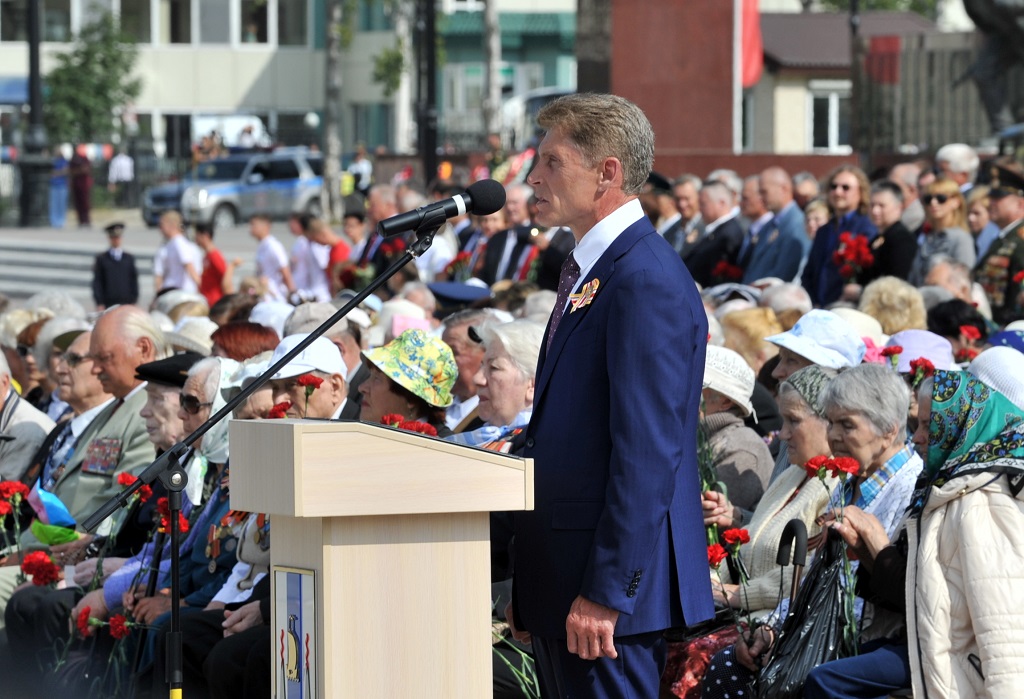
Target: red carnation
point(970, 332)
point(126, 479)
point(145, 493)
point(43, 570)
point(163, 510)
point(309, 381)
point(814, 466)
point(843, 465)
point(417, 426)
point(736, 536)
point(726, 270)
point(5, 508)
point(893, 351)
point(1018, 278)
point(921, 368)
point(279, 410)
point(82, 622)
point(967, 354)
point(11, 489)
point(716, 554)
point(392, 420)
point(119, 627)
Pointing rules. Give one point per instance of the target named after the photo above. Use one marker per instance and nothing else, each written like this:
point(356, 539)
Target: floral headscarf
point(972, 428)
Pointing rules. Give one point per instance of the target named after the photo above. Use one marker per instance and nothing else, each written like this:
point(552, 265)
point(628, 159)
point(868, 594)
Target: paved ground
point(38, 259)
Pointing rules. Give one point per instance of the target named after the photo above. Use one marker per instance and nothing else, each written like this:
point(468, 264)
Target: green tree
point(927, 8)
point(90, 83)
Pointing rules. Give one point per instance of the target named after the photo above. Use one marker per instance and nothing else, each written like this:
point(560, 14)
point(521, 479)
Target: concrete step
point(27, 268)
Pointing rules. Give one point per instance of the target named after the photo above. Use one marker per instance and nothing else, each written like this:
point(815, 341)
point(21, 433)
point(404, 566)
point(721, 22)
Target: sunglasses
point(929, 198)
point(837, 185)
point(73, 360)
point(24, 350)
point(191, 404)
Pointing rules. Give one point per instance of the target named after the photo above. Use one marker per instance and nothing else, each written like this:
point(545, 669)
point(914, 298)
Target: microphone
point(482, 198)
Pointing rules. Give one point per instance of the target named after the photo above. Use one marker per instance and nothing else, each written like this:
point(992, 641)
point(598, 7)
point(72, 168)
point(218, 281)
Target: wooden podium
point(395, 529)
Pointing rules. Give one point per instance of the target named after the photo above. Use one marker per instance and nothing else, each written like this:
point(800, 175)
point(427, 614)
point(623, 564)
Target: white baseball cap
point(321, 355)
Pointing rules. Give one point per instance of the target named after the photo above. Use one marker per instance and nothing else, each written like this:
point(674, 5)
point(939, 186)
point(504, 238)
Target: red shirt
point(340, 252)
point(210, 282)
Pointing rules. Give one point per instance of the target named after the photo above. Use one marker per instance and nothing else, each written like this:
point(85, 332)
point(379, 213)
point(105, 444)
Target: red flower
point(417, 426)
point(5, 508)
point(843, 464)
point(970, 332)
point(145, 493)
point(279, 411)
point(726, 270)
point(893, 351)
point(967, 354)
point(126, 479)
point(1018, 278)
point(847, 272)
point(43, 570)
point(921, 368)
point(392, 420)
point(11, 489)
point(119, 627)
point(853, 255)
point(82, 622)
point(309, 381)
point(814, 466)
point(163, 509)
point(736, 536)
point(716, 554)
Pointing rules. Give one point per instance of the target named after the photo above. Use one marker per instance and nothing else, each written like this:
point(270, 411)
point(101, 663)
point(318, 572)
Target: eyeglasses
point(191, 404)
point(840, 185)
point(73, 360)
point(929, 198)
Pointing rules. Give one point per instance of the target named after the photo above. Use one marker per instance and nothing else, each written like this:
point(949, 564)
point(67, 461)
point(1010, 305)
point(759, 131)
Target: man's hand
point(590, 630)
point(717, 509)
point(71, 552)
point(245, 617)
point(521, 636)
point(97, 608)
point(148, 609)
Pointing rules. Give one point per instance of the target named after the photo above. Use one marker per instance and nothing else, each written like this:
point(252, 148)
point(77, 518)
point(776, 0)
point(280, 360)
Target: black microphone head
point(485, 197)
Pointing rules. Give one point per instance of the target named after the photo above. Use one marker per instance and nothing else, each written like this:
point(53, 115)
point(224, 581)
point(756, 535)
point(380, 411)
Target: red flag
point(752, 58)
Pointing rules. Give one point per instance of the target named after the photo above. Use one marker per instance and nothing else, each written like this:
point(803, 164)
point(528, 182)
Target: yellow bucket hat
point(419, 363)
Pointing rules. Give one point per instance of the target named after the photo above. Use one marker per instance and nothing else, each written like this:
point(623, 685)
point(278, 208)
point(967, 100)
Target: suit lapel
point(602, 271)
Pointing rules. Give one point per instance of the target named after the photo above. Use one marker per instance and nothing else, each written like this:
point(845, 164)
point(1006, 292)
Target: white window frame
point(834, 90)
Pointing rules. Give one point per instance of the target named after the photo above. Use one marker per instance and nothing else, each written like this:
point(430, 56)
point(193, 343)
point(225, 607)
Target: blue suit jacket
point(781, 248)
point(617, 515)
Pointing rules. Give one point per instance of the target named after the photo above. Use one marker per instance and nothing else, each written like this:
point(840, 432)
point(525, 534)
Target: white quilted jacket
point(965, 591)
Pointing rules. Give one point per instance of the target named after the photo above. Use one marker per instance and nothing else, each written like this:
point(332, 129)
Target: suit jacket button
point(631, 593)
point(529, 442)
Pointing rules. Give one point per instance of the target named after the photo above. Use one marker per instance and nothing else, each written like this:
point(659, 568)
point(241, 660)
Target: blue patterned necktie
point(566, 283)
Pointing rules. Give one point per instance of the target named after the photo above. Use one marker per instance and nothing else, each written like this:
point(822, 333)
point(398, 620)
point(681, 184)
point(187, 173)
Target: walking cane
point(796, 531)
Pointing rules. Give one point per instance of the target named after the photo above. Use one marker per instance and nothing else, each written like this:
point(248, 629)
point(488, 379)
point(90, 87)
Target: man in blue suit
point(781, 247)
point(614, 551)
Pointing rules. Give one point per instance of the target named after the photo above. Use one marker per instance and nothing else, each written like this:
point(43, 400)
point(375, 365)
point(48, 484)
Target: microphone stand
point(168, 467)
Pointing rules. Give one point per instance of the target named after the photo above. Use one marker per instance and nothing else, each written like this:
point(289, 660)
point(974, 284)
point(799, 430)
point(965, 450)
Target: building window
point(463, 6)
point(373, 124)
point(829, 116)
point(215, 22)
point(291, 23)
point(13, 20)
point(135, 20)
point(175, 25)
point(254, 21)
point(57, 20)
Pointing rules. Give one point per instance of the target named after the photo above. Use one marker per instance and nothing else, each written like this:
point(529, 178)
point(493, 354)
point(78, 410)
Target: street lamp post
point(35, 167)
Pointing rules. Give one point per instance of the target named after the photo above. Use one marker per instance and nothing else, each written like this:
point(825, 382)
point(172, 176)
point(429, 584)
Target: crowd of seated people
point(916, 374)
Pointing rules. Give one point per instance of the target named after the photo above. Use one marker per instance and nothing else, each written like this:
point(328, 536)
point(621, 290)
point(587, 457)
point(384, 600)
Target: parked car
point(226, 191)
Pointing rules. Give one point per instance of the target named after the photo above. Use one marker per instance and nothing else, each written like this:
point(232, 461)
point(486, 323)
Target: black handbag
point(812, 632)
